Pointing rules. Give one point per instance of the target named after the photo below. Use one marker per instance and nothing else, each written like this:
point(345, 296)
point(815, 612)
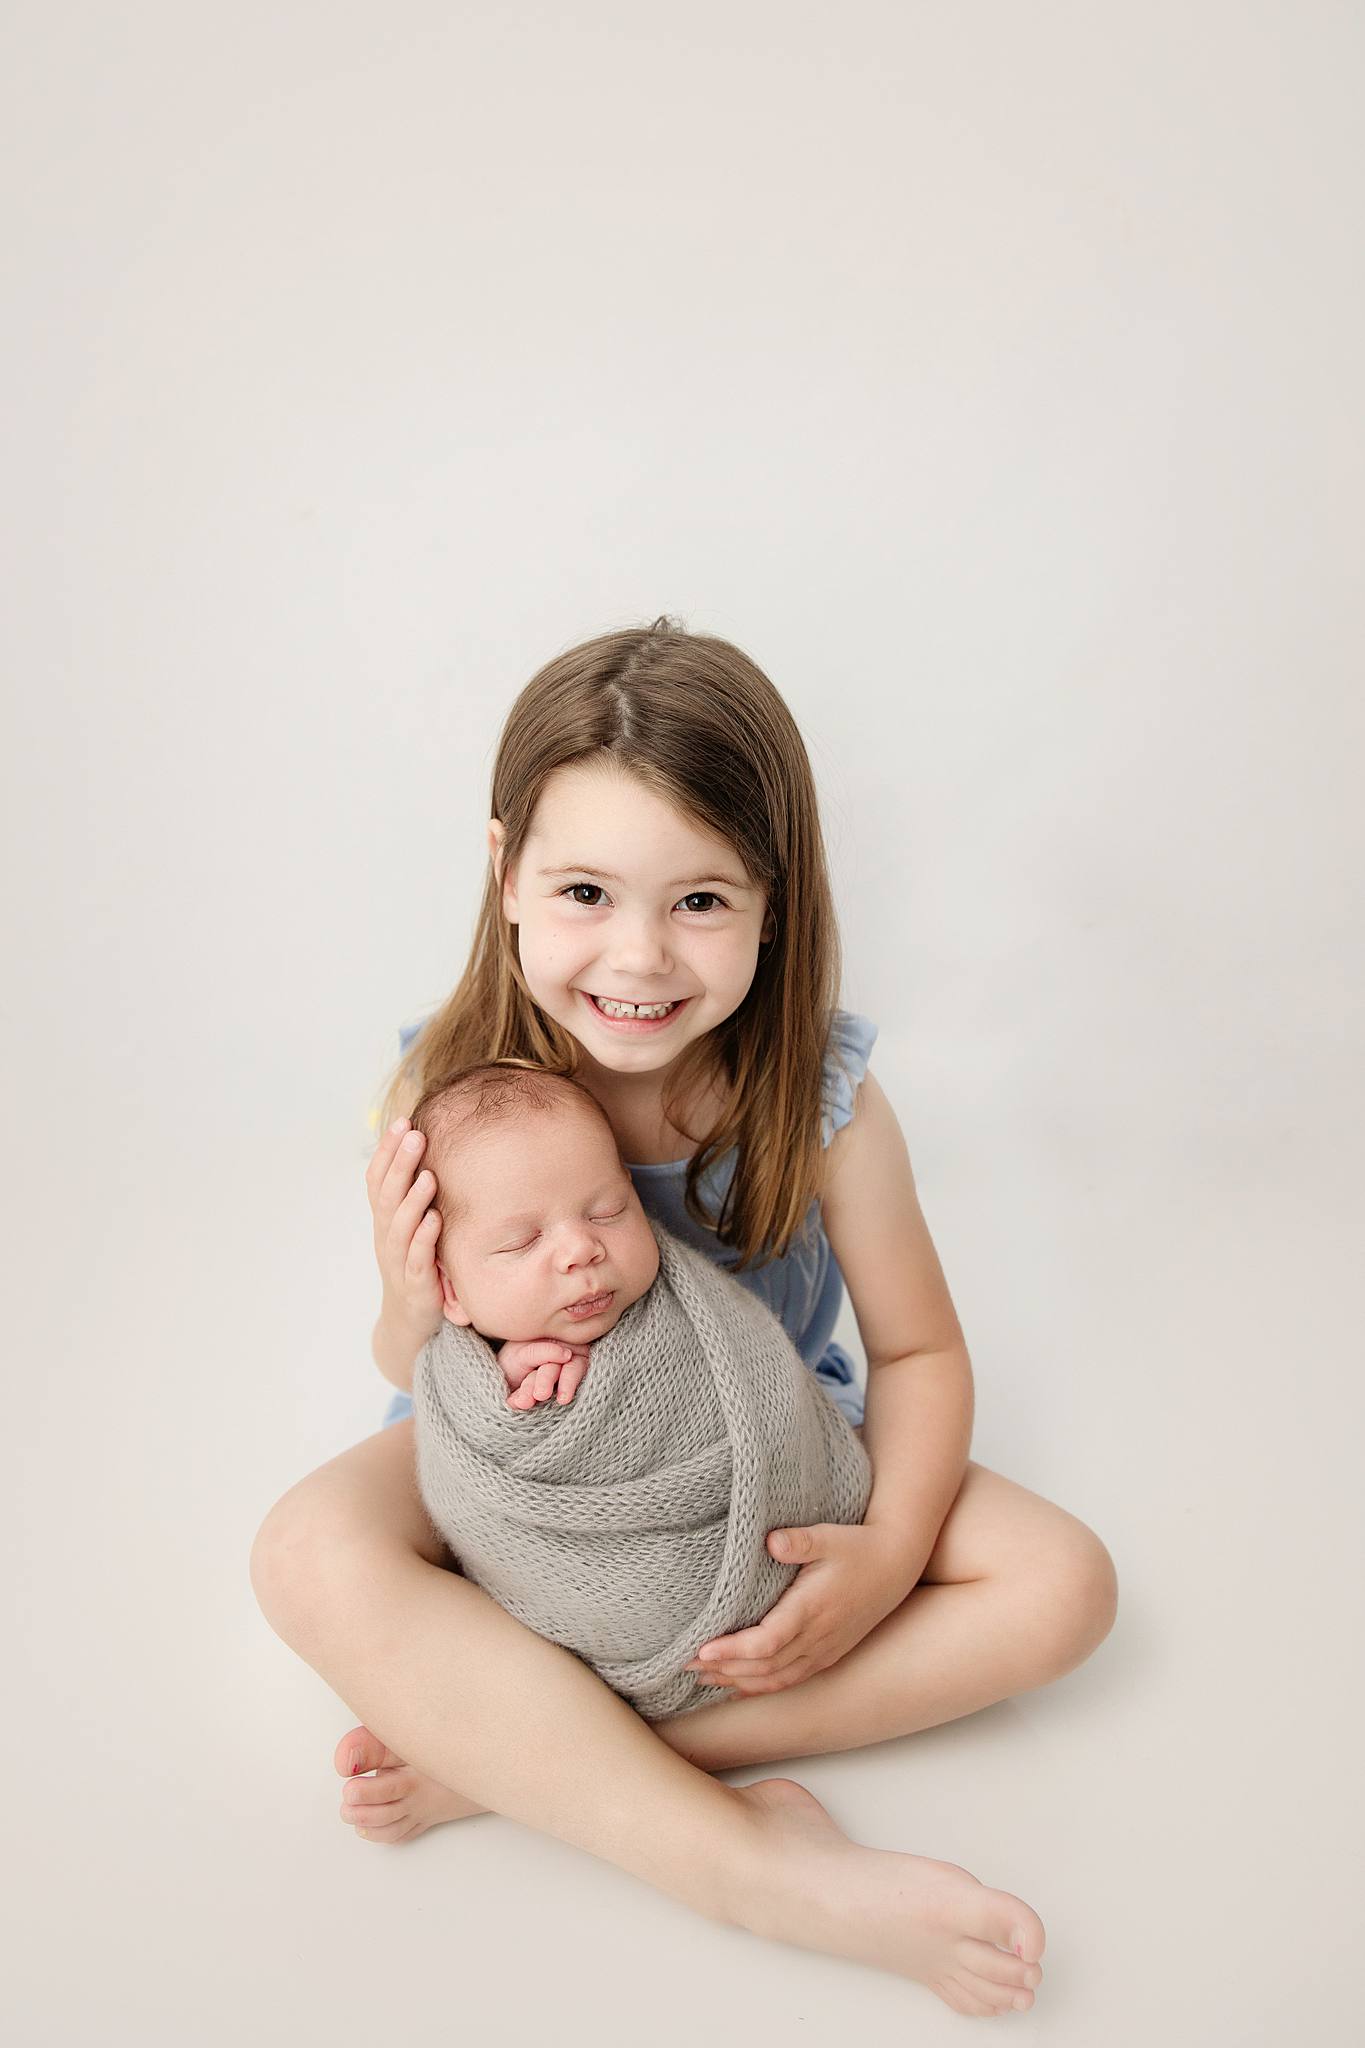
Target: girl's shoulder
point(851, 1039)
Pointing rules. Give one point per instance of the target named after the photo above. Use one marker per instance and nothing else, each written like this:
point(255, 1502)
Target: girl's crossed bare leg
point(348, 1571)
point(1015, 1593)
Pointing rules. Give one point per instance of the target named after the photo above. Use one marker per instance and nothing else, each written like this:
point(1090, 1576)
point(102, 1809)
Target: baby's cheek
point(646, 1262)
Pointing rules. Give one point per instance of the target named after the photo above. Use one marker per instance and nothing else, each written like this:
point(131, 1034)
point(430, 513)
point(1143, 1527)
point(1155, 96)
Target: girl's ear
point(769, 931)
point(451, 1306)
point(497, 835)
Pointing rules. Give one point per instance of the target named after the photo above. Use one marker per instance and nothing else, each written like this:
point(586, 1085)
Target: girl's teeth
point(632, 1010)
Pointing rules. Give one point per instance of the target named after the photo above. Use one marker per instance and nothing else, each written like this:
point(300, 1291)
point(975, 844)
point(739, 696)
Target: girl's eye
point(611, 1218)
point(516, 1247)
point(706, 896)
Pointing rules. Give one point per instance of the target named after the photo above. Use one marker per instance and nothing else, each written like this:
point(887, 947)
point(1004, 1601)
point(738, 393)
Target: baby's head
point(537, 1211)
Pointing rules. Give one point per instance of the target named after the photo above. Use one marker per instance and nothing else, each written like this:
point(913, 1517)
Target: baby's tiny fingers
point(571, 1377)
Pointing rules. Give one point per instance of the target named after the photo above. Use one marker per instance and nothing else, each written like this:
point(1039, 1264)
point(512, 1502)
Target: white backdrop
point(990, 374)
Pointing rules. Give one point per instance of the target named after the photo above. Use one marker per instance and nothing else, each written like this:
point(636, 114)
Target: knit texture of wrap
point(630, 1525)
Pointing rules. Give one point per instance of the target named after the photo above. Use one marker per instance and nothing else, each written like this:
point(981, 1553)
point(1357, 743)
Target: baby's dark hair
point(493, 1092)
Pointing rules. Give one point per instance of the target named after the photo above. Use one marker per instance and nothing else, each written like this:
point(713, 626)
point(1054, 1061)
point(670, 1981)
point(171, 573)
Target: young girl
point(655, 848)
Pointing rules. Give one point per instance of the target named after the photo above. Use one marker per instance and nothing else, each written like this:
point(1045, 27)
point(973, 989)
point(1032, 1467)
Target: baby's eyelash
point(505, 1250)
point(571, 886)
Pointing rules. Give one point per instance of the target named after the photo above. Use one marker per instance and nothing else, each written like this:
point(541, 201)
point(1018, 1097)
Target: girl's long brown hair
point(701, 726)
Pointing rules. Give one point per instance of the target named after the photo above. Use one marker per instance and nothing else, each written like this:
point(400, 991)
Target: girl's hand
point(535, 1368)
point(406, 1230)
point(851, 1578)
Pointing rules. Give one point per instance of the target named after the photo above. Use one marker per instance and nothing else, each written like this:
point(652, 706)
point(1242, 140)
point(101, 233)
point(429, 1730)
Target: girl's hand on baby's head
point(406, 1230)
point(540, 1367)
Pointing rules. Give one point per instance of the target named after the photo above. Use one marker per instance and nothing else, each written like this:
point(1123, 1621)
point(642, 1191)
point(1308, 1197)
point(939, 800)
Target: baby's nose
point(580, 1248)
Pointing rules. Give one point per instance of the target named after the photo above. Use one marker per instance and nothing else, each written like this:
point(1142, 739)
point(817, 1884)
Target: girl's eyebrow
point(581, 867)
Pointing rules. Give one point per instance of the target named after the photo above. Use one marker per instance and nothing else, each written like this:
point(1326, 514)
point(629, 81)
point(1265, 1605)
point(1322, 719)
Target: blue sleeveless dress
point(805, 1289)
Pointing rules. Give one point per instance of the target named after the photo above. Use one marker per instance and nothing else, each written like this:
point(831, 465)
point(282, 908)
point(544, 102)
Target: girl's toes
point(994, 1996)
point(371, 1813)
point(358, 1794)
point(393, 1831)
point(951, 1993)
point(983, 1959)
point(987, 1996)
point(360, 1751)
point(970, 2001)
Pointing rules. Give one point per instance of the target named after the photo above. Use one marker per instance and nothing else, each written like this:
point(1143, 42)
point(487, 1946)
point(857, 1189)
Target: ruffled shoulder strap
point(851, 1039)
point(407, 1032)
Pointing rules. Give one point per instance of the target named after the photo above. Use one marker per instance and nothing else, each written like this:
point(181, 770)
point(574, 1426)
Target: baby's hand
point(537, 1367)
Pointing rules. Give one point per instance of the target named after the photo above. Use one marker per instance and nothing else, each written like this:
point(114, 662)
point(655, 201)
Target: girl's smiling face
point(618, 896)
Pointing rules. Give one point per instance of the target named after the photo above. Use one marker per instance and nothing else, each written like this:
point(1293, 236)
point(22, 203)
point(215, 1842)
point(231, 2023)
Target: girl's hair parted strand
point(700, 725)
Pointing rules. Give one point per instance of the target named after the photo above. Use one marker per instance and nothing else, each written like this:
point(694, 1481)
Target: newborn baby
point(629, 1526)
point(544, 1244)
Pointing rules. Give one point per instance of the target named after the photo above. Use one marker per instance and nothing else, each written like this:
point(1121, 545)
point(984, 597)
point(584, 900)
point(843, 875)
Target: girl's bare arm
point(406, 1232)
point(920, 1399)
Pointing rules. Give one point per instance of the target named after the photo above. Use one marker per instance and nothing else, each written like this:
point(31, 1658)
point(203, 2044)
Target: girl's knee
point(345, 1526)
point(1077, 1595)
point(285, 1555)
point(306, 1550)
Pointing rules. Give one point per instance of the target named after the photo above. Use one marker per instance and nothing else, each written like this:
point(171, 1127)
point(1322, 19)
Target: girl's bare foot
point(977, 1948)
point(398, 1802)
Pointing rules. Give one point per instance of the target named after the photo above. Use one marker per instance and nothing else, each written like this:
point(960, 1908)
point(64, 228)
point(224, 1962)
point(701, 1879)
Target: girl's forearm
point(395, 1347)
point(917, 1431)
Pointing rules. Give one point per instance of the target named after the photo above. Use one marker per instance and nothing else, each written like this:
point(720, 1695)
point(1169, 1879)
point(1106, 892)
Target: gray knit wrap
point(629, 1525)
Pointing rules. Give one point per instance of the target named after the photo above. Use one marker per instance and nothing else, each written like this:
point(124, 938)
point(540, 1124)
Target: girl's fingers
point(382, 1157)
point(767, 1639)
point(388, 1149)
point(771, 1675)
point(749, 1671)
point(396, 1181)
point(752, 1688)
point(422, 1251)
point(406, 1217)
point(743, 1655)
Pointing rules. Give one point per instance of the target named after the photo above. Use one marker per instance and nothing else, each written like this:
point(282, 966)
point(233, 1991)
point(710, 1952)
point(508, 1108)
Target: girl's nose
point(638, 946)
